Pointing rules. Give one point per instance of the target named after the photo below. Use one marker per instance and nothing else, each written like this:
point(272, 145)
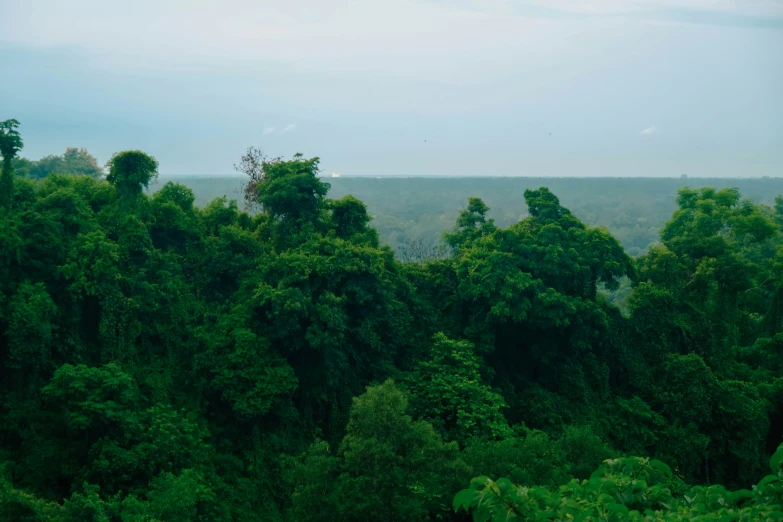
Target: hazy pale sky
point(512, 87)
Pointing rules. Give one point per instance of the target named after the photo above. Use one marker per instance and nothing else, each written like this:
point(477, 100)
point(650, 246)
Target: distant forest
point(418, 210)
point(168, 361)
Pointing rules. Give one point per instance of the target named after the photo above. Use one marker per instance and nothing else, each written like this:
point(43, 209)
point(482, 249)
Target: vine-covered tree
point(131, 172)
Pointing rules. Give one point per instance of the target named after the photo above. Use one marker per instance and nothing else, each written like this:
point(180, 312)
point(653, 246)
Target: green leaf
point(620, 509)
point(479, 482)
point(777, 460)
point(769, 479)
point(657, 465)
point(465, 499)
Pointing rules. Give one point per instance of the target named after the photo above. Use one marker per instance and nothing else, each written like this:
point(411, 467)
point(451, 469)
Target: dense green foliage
point(162, 361)
point(626, 489)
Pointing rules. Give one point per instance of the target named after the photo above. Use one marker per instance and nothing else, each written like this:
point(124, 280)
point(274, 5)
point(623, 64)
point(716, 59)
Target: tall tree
point(10, 145)
point(252, 165)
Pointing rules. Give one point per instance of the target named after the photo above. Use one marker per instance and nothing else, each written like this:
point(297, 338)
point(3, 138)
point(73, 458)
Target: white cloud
point(272, 130)
point(648, 131)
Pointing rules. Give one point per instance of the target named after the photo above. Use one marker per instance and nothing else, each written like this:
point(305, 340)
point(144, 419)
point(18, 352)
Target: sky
point(404, 87)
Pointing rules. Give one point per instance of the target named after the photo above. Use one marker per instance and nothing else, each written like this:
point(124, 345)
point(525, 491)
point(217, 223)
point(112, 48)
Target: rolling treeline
point(162, 361)
point(410, 214)
point(75, 162)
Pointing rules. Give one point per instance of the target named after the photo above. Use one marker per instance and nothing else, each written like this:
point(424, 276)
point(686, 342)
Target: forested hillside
point(166, 361)
point(410, 214)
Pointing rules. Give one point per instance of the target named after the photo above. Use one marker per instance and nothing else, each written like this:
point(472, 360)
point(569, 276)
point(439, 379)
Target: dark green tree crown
point(10, 139)
point(131, 171)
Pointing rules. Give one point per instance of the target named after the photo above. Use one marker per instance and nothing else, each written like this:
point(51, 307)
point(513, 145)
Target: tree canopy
point(162, 361)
